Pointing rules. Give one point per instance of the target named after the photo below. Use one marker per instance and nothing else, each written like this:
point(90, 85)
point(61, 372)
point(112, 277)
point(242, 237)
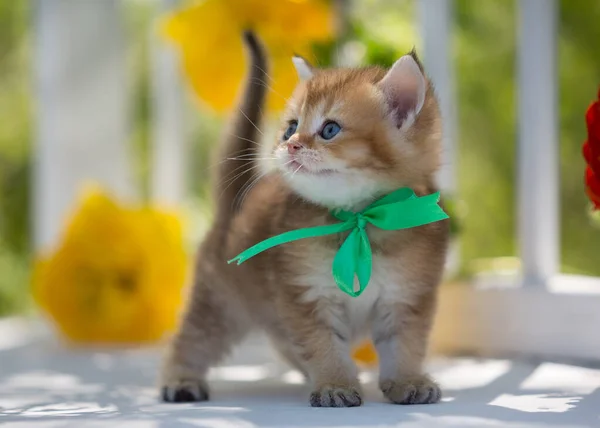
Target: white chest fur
point(351, 316)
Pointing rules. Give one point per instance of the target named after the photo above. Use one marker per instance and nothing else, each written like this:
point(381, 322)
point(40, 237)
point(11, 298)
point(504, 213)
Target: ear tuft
point(404, 88)
point(415, 56)
point(303, 68)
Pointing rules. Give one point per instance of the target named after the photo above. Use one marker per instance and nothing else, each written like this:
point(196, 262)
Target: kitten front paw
point(185, 391)
point(335, 396)
point(412, 390)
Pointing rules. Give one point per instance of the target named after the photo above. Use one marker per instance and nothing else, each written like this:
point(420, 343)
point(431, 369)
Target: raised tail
point(241, 143)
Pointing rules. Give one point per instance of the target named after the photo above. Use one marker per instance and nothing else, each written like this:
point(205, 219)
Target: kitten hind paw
point(335, 396)
point(185, 391)
point(414, 390)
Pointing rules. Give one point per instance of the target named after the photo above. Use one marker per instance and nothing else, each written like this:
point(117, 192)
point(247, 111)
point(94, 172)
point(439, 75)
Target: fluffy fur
point(389, 138)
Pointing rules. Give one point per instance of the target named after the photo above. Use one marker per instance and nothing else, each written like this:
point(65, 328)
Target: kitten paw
point(335, 396)
point(185, 391)
point(413, 390)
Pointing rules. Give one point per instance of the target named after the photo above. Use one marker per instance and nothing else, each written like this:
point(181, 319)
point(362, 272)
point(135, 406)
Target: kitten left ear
point(404, 88)
point(303, 67)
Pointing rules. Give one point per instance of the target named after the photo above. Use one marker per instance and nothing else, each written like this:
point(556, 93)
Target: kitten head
point(351, 135)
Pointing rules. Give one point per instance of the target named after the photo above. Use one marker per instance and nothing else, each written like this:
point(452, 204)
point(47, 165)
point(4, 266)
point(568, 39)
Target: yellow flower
point(209, 37)
point(116, 276)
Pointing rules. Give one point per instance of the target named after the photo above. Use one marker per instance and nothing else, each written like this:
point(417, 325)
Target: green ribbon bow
point(401, 209)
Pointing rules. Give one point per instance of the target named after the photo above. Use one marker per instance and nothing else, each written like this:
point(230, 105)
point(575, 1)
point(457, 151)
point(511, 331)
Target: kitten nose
point(293, 147)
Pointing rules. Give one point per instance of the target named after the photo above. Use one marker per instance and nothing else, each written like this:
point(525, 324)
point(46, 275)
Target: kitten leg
point(323, 350)
point(400, 335)
point(210, 327)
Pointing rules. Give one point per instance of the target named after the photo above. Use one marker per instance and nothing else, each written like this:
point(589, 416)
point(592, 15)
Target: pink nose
point(293, 148)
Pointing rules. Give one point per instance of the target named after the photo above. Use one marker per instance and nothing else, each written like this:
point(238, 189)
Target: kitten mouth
point(298, 168)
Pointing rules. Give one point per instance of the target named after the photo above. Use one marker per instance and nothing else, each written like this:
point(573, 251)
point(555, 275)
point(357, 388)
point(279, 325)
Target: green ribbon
point(401, 209)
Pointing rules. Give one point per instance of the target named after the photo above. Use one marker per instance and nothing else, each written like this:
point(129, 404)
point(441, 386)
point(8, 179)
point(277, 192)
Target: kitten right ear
point(303, 67)
point(404, 88)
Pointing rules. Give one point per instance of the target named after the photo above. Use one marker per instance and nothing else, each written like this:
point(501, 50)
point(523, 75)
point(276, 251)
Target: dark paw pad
point(185, 392)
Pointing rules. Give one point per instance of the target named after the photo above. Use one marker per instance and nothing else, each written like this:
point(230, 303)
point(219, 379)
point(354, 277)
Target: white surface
point(42, 384)
point(539, 227)
point(503, 316)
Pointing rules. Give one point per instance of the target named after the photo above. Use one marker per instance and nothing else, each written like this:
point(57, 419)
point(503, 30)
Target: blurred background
point(120, 91)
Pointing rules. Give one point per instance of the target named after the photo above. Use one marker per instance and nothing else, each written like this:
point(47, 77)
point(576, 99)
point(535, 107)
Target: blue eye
point(330, 130)
point(291, 130)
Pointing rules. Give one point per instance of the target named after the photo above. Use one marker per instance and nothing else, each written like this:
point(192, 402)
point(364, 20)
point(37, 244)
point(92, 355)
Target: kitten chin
point(336, 190)
point(347, 137)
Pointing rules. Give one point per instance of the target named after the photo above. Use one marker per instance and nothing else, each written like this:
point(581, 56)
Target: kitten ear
point(303, 67)
point(404, 88)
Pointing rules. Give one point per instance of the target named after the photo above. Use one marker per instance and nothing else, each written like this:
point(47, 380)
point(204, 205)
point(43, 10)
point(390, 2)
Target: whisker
point(231, 180)
point(286, 163)
point(316, 61)
point(249, 158)
point(247, 155)
point(219, 162)
point(236, 158)
point(247, 139)
point(294, 173)
point(238, 201)
point(252, 123)
point(264, 72)
point(269, 87)
point(241, 153)
point(226, 179)
point(246, 160)
point(249, 149)
point(236, 196)
point(244, 157)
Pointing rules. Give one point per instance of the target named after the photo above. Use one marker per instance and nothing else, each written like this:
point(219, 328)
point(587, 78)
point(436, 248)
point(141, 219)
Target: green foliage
point(484, 44)
point(14, 295)
point(15, 156)
point(376, 51)
point(453, 209)
point(324, 53)
point(138, 22)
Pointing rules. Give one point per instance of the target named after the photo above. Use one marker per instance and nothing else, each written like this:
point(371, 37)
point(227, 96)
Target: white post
point(538, 142)
point(435, 18)
point(80, 86)
point(168, 132)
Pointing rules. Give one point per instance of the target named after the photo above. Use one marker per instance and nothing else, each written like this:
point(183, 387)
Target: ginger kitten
point(348, 136)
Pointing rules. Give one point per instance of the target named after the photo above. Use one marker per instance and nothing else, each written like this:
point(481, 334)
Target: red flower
point(591, 153)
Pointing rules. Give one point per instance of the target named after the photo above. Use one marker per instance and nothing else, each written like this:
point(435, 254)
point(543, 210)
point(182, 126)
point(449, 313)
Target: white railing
point(538, 227)
point(82, 119)
point(168, 133)
point(435, 19)
point(538, 142)
point(540, 311)
point(435, 25)
point(82, 107)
